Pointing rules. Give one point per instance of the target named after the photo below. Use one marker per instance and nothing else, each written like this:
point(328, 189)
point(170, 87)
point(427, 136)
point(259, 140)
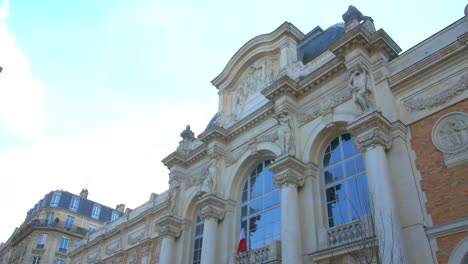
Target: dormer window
point(75, 201)
point(55, 199)
point(96, 211)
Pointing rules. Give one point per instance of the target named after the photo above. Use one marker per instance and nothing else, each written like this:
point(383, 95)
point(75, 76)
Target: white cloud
point(21, 94)
point(120, 164)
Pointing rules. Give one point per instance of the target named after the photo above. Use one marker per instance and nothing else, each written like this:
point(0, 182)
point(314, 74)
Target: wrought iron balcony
point(45, 224)
point(266, 254)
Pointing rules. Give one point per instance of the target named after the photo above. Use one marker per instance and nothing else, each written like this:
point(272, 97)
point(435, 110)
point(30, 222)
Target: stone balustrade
point(346, 233)
point(267, 254)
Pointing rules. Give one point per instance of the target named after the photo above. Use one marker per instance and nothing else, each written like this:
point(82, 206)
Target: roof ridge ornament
point(353, 17)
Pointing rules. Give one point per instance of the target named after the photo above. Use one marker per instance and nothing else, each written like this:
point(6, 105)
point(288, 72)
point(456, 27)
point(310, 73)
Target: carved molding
point(370, 130)
point(289, 171)
point(113, 247)
point(211, 206)
point(420, 104)
point(450, 136)
point(169, 226)
point(211, 212)
point(135, 237)
point(373, 138)
point(325, 106)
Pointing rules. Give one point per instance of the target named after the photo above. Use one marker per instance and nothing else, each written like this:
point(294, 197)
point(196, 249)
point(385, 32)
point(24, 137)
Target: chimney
point(84, 193)
point(120, 207)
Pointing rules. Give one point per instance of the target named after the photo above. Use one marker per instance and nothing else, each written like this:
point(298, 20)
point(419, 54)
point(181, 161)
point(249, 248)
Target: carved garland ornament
point(420, 104)
point(326, 105)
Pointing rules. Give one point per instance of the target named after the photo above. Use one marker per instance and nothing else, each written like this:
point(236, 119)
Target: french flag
point(242, 240)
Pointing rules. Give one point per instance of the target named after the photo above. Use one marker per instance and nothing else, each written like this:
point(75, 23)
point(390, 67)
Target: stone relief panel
point(136, 236)
point(239, 99)
point(132, 258)
point(450, 136)
point(427, 103)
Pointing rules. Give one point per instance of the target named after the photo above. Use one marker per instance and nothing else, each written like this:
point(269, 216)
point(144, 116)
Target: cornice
point(185, 160)
point(213, 133)
point(428, 64)
point(430, 102)
point(298, 89)
point(252, 120)
point(260, 44)
point(360, 37)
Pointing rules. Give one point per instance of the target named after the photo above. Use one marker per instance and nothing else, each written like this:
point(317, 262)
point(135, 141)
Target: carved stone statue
point(240, 100)
point(358, 82)
point(285, 136)
point(210, 182)
point(173, 196)
point(187, 138)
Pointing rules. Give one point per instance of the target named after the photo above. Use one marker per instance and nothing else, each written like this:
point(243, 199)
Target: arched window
point(260, 207)
point(197, 241)
point(345, 184)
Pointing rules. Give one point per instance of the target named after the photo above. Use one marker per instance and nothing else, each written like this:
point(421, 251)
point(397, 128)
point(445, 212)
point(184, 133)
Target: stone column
point(289, 176)
point(373, 136)
point(169, 229)
point(211, 211)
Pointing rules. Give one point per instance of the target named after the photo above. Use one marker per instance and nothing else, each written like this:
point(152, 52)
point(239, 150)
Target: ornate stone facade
point(283, 125)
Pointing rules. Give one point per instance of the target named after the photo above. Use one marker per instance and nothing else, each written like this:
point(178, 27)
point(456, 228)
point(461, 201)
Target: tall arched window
point(260, 207)
point(345, 184)
point(197, 241)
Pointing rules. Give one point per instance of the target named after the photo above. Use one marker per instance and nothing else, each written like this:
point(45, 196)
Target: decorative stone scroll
point(169, 226)
point(211, 206)
point(288, 171)
point(371, 130)
point(450, 136)
point(420, 104)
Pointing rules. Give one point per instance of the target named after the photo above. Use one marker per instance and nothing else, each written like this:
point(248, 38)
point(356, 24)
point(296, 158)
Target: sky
point(94, 93)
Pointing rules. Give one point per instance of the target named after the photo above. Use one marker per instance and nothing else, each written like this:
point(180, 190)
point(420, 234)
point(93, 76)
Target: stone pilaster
point(373, 135)
point(289, 176)
point(169, 229)
point(212, 209)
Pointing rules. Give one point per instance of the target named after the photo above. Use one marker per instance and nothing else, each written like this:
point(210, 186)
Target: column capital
point(211, 206)
point(371, 130)
point(169, 226)
point(289, 171)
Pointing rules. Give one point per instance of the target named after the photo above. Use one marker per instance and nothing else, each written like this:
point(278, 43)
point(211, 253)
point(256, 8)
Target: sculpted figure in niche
point(360, 90)
point(285, 136)
point(240, 100)
point(173, 196)
point(209, 184)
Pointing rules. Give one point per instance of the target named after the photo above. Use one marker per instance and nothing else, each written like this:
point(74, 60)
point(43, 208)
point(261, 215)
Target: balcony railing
point(267, 254)
point(44, 223)
point(350, 232)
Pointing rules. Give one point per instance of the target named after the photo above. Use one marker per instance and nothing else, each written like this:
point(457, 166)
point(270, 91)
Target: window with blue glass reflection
point(198, 241)
point(345, 183)
point(260, 207)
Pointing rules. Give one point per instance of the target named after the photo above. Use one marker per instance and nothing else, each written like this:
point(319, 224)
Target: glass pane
point(326, 159)
point(328, 177)
point(349, 149)
point(335, 151)
point(244, 211)
point(271, 199)
point(256, 187)
point(255, 206)
point(354, 166)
